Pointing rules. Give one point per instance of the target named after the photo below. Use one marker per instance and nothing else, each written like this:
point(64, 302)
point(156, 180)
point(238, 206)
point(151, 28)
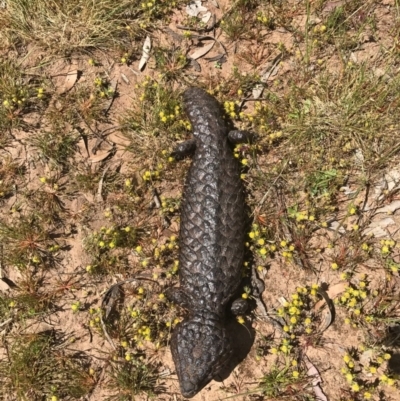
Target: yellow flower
point(296, 374)
point(365, 247)
point(284, 349)
point(383, 378)
point(349, 377)
point(355, 387)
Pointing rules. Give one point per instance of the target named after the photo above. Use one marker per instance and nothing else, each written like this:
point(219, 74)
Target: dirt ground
point(72, 207)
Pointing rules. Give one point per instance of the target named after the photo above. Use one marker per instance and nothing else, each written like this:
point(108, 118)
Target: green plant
point(26, 242)
point(131, 377)
point(36, 366)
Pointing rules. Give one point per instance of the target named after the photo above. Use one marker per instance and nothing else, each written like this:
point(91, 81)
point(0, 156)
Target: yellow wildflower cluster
point(364, 377)
point(231, 108)
point(284, 347)
point(103, 87)
point(17, 99)
point(150, 175)
point(296, 312)
point(387, 246)
point(354, 300)
point(169, 205)
point(171, 244)
point(304, 215)
point(169, 116)
point(112, 237)
point(257, 237)
point(319, 29)
point(264, 19)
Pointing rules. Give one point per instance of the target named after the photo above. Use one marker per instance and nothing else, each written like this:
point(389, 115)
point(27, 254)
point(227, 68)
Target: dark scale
point(212, 237)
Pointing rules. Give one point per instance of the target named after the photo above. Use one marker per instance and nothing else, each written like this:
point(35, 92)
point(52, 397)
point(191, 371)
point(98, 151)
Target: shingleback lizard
point(212, 236)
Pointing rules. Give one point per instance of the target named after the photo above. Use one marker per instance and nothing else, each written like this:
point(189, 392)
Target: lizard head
point(200, 348)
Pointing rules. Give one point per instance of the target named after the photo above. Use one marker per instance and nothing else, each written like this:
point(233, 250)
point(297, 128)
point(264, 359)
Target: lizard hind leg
point(238, 136)
point(184, 149)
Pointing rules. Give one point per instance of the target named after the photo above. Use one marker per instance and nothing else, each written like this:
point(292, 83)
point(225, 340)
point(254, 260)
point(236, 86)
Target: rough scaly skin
point(211, 247)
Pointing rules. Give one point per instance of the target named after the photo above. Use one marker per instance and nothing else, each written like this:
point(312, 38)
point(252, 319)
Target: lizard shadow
point(243, 336)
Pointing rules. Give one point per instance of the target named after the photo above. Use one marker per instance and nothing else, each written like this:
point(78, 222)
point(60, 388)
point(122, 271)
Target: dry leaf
point(206, 17)
point(359, 157)
point(257, 91)
point(118, 139)
point(353, 57)
point(194, 8)
point(376, 228)
point(391, 208)
point(337, 289)
point(333, 292)
point(146, 53)
point(348, 191)
point(393, 179)
point(125, 78)
point(70, 81)
point(4, 286)
point(331, 5)
point(389, 182)
point(99, 156)
point(336, 226)
point(316, 379)
point(102, 150)
point(202, 51)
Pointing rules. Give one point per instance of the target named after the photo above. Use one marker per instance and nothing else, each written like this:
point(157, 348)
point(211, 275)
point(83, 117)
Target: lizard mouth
point(188, 390)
